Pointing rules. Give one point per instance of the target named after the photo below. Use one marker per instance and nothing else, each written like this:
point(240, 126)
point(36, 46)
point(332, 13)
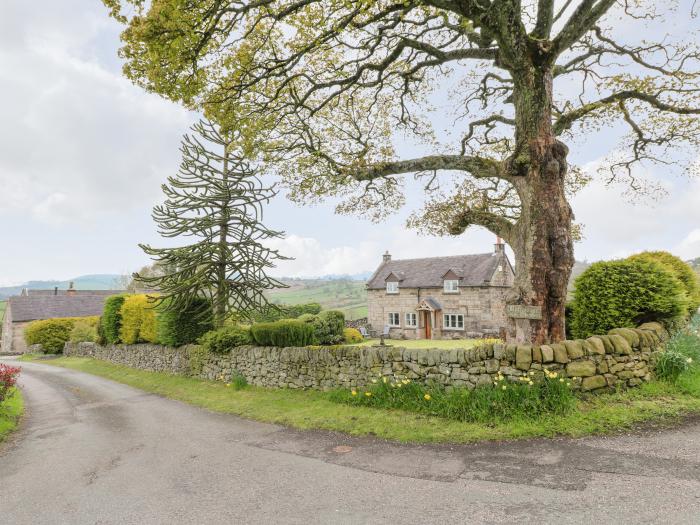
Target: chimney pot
point(71, 289)
point(499, 247)
point(387, 256)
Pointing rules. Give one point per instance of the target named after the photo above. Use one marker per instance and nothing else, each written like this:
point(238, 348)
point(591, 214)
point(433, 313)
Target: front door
point(426, 323)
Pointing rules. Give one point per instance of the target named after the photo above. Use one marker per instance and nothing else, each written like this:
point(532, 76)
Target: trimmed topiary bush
point(680, 269)
point(224, 339)
point(623, 294)
point(138, 320)
point(352, 335)
point(329, 327)
point(177, 328)
point(285, 311)
point(53, 334)
point(112, 319)
point(287, 332)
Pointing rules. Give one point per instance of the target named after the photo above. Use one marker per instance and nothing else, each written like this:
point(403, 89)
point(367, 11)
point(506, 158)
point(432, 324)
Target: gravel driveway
point(95, 451)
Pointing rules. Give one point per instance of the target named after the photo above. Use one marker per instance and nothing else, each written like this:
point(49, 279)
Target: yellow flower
point(406, 381)
point(426, 397)
point(228, 384)
point(561, 379)
point(354, 392)
point(689, 360)
point(374, 380)
point(398, 385)
point(368, 394)
point(504, 387)
point(568, 384)
point(384, 379)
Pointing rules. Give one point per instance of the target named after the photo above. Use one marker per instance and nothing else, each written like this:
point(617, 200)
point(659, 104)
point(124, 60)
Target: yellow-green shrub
point(52, 334)
point(138, 320)
point(352, 335)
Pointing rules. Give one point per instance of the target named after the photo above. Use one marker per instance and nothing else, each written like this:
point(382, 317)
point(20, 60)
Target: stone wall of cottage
point(623, 358)
point(483, 309)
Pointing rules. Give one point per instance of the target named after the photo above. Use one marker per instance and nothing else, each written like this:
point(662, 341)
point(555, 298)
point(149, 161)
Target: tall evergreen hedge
point(680, 269)
point(287, 332)
point(184, 326)
point(625, 293)
point(138, 320)
point(329, 327)
point(112, 318)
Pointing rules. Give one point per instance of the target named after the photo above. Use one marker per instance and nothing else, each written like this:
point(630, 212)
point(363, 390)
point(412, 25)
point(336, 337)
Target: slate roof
point(474, 269)
point(39, 306)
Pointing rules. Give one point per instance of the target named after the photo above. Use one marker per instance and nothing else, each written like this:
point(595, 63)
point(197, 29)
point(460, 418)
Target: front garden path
point(95, 451)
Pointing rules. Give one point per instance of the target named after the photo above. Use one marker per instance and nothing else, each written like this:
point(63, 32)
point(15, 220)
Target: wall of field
point(623, 358)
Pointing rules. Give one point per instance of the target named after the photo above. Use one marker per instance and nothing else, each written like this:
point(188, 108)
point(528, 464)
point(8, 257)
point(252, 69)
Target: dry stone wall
point(623, 358)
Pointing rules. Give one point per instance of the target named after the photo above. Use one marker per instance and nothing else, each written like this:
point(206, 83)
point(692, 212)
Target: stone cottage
point(441, 297)
point(33, 305)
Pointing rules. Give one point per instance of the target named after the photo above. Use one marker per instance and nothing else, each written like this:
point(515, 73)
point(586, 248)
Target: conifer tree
point(216, 199)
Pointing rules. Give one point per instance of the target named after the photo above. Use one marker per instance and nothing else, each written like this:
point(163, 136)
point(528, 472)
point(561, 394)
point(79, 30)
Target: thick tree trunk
point(541, 239)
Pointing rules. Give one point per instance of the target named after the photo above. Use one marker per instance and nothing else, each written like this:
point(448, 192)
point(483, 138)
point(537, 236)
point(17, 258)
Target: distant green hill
point(346, 295)
point(105, 281)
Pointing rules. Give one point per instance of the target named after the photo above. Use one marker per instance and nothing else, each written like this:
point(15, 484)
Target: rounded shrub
point(185, 326)
point(138, 320)
point(681, 271)
point(329, 327)
point(84, 331)
point(352, 335)
point(224, 339)
point(111, 318)
point(53, 334)
point(287, 332)
point(625, 293)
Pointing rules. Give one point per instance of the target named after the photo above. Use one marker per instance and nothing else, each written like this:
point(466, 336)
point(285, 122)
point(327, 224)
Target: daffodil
point(374, 380)
point(504, 387)
point(689, 360)
point(561, 379)
point(384, 379)
point(427, 397)
point(228, 384)
point(368, 394)
point(568, 384)
point(354, 392)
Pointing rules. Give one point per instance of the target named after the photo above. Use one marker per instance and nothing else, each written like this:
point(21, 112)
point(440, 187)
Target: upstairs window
point(392, 287)
point(453, 322)
point(411, 319)
point(451, 286)
point(394, 319)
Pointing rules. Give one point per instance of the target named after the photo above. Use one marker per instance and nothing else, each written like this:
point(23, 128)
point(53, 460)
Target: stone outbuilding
point(450, 297)
point(33, 305)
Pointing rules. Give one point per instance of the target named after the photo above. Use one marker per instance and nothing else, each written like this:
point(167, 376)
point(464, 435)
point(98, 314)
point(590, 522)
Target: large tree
point(215, 201)
point(323, 88)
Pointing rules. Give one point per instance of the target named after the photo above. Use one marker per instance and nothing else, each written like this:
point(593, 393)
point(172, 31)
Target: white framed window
point(394, 319)
point(451, 286)
point(392, 287)
point(411, 319)
point(453, 321)
point(500, 267)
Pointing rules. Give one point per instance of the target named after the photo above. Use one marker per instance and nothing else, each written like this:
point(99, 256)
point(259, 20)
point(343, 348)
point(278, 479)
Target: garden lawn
point(657, 401)
point(10, 413)
point(442, 344)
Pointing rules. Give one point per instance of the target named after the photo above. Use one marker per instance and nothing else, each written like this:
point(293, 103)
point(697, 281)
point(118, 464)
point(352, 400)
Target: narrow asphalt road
point(94, 451)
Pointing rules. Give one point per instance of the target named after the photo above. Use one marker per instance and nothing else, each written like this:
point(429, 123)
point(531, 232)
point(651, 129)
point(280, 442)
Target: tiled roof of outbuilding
point(39, 306)
point(474, 270)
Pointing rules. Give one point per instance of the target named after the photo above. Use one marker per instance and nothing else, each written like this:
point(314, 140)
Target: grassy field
point(10, 414)
point(347, 296)
point(657, 401)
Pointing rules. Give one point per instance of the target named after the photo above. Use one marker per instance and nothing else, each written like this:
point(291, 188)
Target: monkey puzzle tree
point(216, 199)
point(325, 86)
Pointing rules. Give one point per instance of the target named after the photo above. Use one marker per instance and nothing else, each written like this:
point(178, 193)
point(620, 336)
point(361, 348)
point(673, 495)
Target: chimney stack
point(387, 256)
point(71, 289)
point(499, 247)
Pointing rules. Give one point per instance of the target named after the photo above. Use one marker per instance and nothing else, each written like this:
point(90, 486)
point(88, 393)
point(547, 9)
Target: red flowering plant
point(8, 379)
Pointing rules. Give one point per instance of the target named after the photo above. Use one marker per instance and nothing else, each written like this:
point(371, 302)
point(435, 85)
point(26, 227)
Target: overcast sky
point(83, 153)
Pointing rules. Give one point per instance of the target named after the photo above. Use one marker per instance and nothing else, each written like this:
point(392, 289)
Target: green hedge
point(53, 334)
point(138, 320)
point(285, 311)
point(680, 270)
point(177, 328)
point(328, 327)
point(625, 293)
point(226, 338)
point(112, 318)
point(287, 332)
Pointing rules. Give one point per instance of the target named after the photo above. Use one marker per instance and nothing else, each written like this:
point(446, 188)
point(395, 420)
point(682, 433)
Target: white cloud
point(689, 247)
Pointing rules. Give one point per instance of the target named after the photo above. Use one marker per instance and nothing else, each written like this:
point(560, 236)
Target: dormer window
point(451, 286)
point(392, 287)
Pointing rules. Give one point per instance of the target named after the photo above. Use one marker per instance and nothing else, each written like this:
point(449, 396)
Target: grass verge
point(10, 414)
point(656, 401)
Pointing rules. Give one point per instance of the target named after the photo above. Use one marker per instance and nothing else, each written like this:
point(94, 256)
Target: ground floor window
point(411, 319)
point(394, 319)
point(453, 321)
